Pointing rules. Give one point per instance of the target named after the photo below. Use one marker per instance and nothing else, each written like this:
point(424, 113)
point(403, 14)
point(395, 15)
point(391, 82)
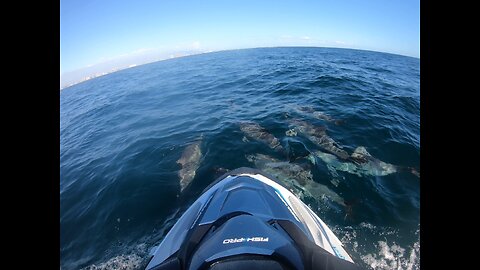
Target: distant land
point(141, 57)
point(68, 79)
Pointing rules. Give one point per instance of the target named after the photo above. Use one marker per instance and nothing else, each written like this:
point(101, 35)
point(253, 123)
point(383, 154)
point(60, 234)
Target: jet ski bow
point(247, 220)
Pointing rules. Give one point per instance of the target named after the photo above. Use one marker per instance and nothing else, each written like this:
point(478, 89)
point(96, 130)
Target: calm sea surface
point(122, 134)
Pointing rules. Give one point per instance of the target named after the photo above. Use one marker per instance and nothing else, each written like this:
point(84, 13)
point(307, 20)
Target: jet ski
point(247, 220)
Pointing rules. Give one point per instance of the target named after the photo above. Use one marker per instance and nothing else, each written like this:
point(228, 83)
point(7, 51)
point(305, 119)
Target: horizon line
point(213, 51)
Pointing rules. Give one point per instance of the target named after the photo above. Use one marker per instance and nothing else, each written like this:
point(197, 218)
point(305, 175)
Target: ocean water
point(121, 136)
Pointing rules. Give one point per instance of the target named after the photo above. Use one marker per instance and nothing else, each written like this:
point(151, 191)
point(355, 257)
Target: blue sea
point(122, 134)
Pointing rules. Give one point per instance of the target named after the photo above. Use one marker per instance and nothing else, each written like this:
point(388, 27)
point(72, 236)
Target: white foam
point(367, 225)
point(135, 258)
point(413, 256)
point(385, 253)
point(121, 262)
point(393, 257)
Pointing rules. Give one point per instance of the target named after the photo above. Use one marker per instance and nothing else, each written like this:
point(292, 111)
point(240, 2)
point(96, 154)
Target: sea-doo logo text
point(243, 239)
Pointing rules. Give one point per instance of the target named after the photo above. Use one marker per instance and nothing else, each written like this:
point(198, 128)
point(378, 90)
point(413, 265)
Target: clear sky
point(97, 31)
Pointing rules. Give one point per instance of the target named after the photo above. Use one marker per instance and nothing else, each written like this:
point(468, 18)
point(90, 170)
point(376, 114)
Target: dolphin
point(318, 136)
point(190, 161)
point(367, 164)
point(256, 132)
point(318, 114)
point(296, 178)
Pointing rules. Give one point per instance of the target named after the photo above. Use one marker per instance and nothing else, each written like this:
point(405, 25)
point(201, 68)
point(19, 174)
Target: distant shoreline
point(186, 54)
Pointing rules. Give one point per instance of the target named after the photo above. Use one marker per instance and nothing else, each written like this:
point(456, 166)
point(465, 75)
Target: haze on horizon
point(98, 37)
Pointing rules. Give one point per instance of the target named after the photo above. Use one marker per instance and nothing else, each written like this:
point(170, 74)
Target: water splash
point(394, 256)
point(384, 252)
point(136, 259)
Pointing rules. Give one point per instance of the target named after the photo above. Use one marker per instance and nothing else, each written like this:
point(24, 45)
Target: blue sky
point(98, 31)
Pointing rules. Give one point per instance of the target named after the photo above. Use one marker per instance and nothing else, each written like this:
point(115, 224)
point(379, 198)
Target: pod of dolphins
point(298, 177)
